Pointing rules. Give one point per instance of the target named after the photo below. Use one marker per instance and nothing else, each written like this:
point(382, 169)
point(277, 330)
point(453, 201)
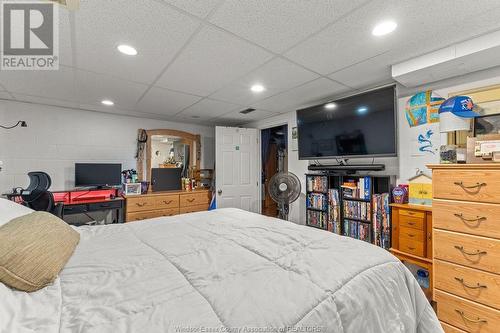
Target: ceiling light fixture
point(362, 110)
point(384, 28)
point(257, 88)
point(108, 102)
point(127, 49)
point(330, 106)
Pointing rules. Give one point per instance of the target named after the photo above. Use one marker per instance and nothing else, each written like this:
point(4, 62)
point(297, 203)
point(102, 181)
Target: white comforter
point(222, 271)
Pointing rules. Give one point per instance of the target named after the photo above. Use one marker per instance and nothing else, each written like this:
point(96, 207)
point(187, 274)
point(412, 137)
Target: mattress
point(225, 270)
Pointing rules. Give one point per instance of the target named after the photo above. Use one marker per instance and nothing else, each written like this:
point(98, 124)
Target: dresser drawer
point(450, 329)
point(473, 218)
point(411, 213)
point(168, 201)
point(140, 203)
point(411, 222)
point(192, 209)
point(411, 246)
point(466, 315)
point(468, 185)
point(192, 199)
point(411, 233)
point(472, 251)
point(139, 216)
point(477, 286)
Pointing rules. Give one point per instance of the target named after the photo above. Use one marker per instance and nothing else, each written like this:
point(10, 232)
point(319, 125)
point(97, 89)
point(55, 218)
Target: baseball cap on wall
point(461, 106)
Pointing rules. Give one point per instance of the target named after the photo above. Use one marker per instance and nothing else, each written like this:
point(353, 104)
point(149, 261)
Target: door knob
point(219, 192)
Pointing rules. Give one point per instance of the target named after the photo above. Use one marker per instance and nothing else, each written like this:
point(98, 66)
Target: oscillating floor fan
point(284, 188)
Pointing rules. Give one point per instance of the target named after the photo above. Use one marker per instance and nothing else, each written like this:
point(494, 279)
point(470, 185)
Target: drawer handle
point(140, 204)
point(167, 202)
point(477, 253)
point(411, 248)
point(190, 200)
point(411, 235)
point(469, 187)
point(411, 223)
point(478, 286)
point(478, 219)
point(476, 321)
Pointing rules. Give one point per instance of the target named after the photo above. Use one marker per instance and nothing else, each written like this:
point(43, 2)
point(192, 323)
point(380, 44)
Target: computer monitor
point(166, 179)
point(98, 174)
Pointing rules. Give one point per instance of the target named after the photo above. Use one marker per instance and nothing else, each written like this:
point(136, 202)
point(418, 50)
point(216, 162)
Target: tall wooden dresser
point(466, 233)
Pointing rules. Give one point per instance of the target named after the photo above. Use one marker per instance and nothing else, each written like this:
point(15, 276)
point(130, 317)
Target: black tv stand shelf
point(349, 168)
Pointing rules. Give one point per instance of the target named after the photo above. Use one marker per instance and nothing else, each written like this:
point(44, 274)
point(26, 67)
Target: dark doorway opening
point(274, 151)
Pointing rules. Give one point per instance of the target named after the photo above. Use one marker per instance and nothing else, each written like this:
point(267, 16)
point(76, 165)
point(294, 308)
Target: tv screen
point(356, 126)
point(97, 174)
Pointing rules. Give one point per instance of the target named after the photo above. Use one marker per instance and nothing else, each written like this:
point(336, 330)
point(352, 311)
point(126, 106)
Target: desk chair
point(37, 196)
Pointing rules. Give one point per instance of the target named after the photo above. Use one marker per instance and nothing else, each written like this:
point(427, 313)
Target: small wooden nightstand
point(412, 237)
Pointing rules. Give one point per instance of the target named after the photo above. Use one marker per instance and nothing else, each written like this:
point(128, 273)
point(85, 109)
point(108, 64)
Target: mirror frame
point(193, 139)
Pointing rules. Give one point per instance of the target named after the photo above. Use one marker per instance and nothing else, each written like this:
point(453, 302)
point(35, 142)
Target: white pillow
point(10, 210)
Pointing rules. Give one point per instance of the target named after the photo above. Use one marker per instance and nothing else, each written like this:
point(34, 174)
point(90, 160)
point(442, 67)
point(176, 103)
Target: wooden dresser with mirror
point(165, 148)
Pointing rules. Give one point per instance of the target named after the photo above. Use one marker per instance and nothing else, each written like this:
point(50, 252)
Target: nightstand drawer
point(473, 218)
point(411, 213)
point(164, 202)
point(411, 233)
point(411, 246)
point(467, 185)
point(193, 199)
point(138, 204)
point(468, 283)
point(466, 315)
point(411, 222)
point(472, 251)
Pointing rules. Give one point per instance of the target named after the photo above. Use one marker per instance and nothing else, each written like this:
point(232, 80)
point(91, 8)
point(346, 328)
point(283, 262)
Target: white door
point(236, 168)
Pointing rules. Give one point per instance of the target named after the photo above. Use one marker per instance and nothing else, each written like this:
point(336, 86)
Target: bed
point(225, 270)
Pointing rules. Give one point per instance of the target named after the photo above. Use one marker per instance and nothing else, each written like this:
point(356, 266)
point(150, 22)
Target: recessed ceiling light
point(127, 49)
point(330, 106)
point(384, 28)
point(107, 102)
point(362, 110)
point(257, 88)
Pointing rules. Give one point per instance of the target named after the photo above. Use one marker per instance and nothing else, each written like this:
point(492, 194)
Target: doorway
point(274, 151)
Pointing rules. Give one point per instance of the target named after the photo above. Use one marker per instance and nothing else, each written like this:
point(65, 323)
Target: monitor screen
point(98, 174)
point(356, 126)
point(166, 179)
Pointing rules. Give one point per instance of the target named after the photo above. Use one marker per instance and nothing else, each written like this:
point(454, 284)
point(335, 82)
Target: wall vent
point(246, 111)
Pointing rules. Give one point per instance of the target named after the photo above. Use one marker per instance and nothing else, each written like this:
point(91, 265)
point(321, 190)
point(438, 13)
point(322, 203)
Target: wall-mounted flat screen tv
point(363, 125)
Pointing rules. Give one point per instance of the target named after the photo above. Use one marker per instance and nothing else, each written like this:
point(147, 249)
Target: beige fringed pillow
point(33, 250)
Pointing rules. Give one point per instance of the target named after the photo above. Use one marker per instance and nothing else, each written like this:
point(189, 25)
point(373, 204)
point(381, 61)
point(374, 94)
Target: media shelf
point(356, 205)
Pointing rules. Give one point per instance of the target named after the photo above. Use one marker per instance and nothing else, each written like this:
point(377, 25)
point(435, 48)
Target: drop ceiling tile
point(209, 108)
point(154, 29)
point(277, 76)
point(307, 94)
point(277, 25)
point(93, 88)
point(241, 118)
point(423, 26)
point(5, 95)
point(369, 73)
point(59, 84)
point(212, 59)
point(45, 101)
point(165, 102)
point(199, 8)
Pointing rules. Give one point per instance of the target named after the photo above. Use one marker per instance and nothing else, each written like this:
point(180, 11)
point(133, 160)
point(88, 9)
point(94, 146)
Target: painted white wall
point(404, 166)
point(56, 138)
